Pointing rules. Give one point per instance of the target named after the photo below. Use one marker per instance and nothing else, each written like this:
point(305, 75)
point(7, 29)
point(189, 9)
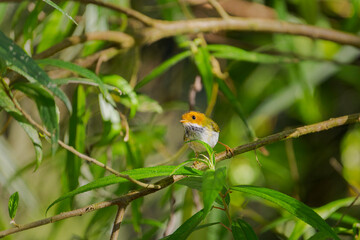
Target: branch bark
point(118, 219)
point(124, 200)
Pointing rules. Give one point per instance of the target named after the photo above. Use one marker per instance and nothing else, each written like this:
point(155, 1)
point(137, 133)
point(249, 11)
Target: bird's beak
point(183, 121)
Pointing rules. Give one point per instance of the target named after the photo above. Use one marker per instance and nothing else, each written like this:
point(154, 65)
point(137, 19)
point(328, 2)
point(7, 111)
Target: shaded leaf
point(188, 227)
point(293, 206)
point(17, 60)
point(203, 64)
point(46, 105)
point(241, 230)
point(9, 107)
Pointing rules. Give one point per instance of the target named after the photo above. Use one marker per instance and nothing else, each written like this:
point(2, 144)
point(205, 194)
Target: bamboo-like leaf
point(46, 105)
point(77, 137)
point(202, 62)
point(13, 204)
point(81, 71)
point(293, 206)
point(17, 60)
point(139, 173)
point(238, 54)
point(120, 83)
point(162, 68)
point(212, 184)
point(188, 227)
point(241, 230)
point(59, 9)
point(8, 106)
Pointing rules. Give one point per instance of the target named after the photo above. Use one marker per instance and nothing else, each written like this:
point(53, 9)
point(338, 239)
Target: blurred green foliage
point(125, 109)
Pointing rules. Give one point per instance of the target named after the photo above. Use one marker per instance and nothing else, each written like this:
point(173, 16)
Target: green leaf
point(13, 204)
point(162, 68)
point(17, 60)
point(77, 137)
point(187, 227)
point(293, 206)
point(9, 107)
point(238, 54)
point(59, 9)
point(241, 230)
point(203, 64)
point(136, 213)
point(212, 184)
point(46, 105)
point(81, 71)
point(120, 83)
point(139, 173)
point(324, 211)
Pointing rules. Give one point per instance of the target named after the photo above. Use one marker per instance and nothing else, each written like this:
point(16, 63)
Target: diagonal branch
point(124, 200)
point(125, 41)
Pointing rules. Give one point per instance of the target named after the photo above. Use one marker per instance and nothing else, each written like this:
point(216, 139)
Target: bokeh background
point(321, 82)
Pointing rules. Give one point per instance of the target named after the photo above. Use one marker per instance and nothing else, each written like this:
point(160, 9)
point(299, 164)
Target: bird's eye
point(193, 117)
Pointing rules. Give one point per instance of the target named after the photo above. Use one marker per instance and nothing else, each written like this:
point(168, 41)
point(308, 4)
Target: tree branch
point(168, 29)
point(124, 200)
point(125, 41)
point(117, 222)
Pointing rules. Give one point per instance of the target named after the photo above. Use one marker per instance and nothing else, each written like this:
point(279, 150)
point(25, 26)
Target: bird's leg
point(228, 149)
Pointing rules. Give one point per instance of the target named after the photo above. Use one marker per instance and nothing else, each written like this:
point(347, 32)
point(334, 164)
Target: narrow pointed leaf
point(212, 184)
point(139, 173)
point(202, 62)
point(46, 105)
point(293, 206)
point(162, 68)
point(17, 60)
point(9, 107)
point(188, 227)
point(59, 9)
point(81, 71)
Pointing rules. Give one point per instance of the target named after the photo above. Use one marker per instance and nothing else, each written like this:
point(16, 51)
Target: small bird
point(199, 127)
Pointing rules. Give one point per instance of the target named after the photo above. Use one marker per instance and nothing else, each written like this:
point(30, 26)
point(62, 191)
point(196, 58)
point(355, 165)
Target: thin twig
point(117, 222)
point(219, 8)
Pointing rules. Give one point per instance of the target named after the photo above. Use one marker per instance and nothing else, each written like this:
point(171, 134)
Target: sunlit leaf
point(187, 227)
point(46, 105)
point(77, 137)
point(203, 64)
point(138, 174)
point(59, 9)
point(81, 71)
point(120, 83)
point(212, 184)
point(13, 204)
